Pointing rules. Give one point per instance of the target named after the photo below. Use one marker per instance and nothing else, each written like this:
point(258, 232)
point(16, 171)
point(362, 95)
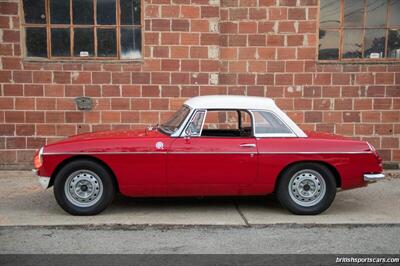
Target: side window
point(221, 120)
point(195, 126)
point(268, 123)
point(227, 123)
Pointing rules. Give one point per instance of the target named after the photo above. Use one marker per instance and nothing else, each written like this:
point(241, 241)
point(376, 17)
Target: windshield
point(175, 121)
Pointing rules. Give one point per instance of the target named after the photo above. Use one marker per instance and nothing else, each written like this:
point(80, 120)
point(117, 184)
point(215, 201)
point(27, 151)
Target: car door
point(210, 165)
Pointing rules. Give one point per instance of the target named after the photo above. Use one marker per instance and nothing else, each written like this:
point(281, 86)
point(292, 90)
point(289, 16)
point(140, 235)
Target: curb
point(165, 227)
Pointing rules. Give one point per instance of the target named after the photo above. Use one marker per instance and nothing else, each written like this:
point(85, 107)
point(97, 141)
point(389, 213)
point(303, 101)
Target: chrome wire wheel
point(307, 188)
point(83, 188)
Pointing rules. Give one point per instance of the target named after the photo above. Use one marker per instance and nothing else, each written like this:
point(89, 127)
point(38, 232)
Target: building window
point(82, 29)
point(359, 30)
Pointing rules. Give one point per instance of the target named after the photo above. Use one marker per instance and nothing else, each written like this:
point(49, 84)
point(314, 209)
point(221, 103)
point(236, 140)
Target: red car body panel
point(209, 165)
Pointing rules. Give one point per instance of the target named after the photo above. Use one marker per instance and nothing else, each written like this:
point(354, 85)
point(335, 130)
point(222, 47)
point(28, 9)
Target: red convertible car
point(212, 146)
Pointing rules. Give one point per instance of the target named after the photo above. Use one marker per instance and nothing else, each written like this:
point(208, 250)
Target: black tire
point(108, 187)
point(325, 200)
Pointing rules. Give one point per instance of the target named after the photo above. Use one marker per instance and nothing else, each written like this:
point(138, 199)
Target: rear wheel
point(306, 188)
point(83, 187)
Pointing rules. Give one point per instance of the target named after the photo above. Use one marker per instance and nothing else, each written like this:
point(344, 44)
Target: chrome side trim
point(373, 177)
point(100, 152)
point(183, 152)
point(314, 152)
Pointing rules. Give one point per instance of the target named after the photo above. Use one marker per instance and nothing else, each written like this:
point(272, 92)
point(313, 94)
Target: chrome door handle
point(248, 145)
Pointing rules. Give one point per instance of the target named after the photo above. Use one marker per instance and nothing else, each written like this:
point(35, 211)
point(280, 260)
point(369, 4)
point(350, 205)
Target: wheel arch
point(334, 171)
point(83, 157)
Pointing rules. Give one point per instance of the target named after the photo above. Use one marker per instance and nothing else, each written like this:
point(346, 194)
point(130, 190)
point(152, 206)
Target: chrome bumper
point(43, 180)
point(373, 177)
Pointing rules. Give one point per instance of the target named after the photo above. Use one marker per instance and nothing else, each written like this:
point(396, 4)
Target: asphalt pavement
point(276, 239)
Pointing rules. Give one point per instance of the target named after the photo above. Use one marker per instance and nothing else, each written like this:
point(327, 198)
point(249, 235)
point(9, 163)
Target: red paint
point(210, 165)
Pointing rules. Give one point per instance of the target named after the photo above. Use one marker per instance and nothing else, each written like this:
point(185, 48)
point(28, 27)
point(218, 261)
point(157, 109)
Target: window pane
point(376, 13)
point(106, 12)
point(330, 13)
point(328, 45)
point(353, 13)
point(268, 123)
point(36, 42)
point(352, 44)
point(60, 42)
point(83, 12)
point(195, 126)
point(221, 120)
point(394, 44)
point(374, 43)
point(130, 12)
point(106, 42)
point(34, 11)
point(83, 42)
point(59, 12)
point(130, 43)
point(395, 13)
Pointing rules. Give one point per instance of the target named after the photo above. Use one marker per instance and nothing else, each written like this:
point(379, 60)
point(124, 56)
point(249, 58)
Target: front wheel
point(83, 187)
point(306, 188)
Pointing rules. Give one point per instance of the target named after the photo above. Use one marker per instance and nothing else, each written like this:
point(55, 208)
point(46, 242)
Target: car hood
point(115, 134)
point(112, 135)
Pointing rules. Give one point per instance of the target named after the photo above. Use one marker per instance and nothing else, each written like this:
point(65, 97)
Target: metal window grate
point(109, 36)
point(359, 30)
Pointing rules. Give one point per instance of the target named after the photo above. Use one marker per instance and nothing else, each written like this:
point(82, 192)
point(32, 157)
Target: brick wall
point(197, 47)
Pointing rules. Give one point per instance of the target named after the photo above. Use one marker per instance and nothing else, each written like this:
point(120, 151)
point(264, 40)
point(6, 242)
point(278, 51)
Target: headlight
point(38, 159)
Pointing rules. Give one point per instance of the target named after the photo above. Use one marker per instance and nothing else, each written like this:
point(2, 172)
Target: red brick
point(297, 13)
point(4, 22)
point(140, 78)
point(161, 25)
point(171, 91)
point(295, 40)
point(121, 77)
point(257, 13)
point(110, 91)
point(365, 78)
point(257, 40)
point(209, 12)
point(248, 27)
point(343, 104)
point(13, 90)
point(22, 76)
point(277, 13)
point(275, 40)
point(8, 8)
point(210, 65)
point(190, 11)
point(11, 36)
point(238, 13)
point(169, 11)
point(351, 117)
point(35, 117)
point(209, 39)
point(33, 90)
point(307, 27)
point(190, 65)
point(375, 91)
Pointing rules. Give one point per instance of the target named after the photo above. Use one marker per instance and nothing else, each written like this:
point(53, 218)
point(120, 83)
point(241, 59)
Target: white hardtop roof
point(230, 102)
point(243, 102)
